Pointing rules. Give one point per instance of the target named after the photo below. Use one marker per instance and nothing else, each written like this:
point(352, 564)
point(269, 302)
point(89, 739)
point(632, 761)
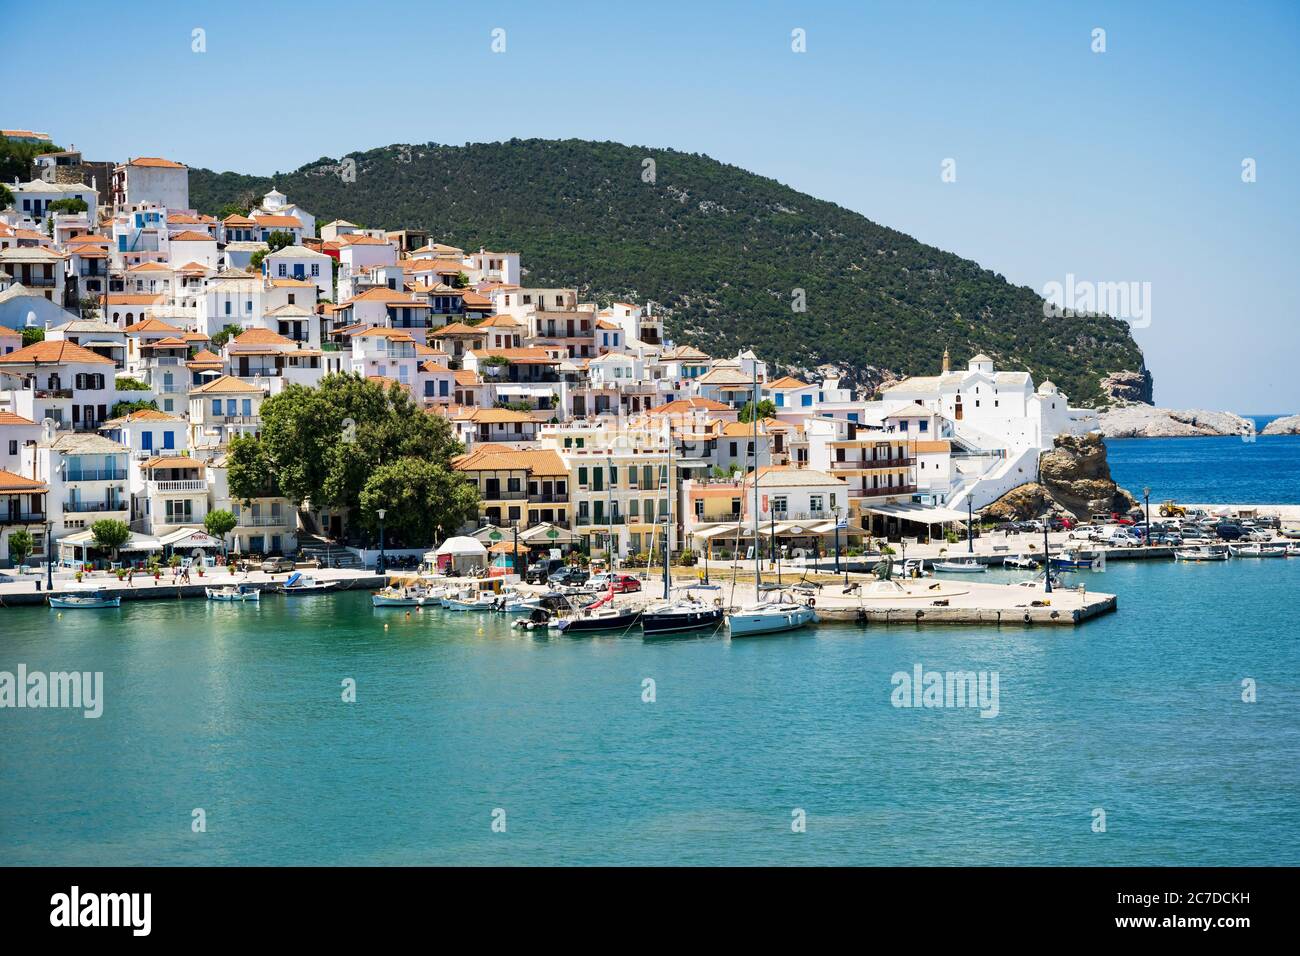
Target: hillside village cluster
point(579, 421)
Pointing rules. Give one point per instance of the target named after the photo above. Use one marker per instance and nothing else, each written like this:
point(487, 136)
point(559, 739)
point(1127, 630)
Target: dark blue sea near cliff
point(1227, 470)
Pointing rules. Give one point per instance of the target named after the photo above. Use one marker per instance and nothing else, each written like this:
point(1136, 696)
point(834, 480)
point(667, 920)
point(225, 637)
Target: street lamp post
point(49, 557)
point(514, 557)
point(1146, 535)
point(970, 526)
point(383, 563)
point(1047, 555)
point(836, 513)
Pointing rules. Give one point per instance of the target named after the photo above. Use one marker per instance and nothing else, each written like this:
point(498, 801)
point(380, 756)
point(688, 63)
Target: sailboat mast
point(753, 417)
point(668, 525)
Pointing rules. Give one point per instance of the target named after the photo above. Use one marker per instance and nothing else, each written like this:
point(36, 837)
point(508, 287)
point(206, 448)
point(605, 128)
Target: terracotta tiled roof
point(11, 482)
point(56, 352)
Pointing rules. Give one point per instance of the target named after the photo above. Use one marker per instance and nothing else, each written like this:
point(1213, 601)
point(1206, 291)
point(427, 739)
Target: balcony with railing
point(881, 492)
point(262, 521)
point(871, 464)
point(17, 516)
point(95, 474)
point(178, 484)
point(86, 507)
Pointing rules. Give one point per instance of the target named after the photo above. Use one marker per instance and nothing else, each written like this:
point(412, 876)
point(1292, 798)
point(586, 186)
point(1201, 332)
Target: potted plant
point(78, 575)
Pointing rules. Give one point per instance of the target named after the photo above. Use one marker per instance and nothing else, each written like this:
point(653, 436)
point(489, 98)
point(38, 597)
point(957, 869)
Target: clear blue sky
point(1119, 166)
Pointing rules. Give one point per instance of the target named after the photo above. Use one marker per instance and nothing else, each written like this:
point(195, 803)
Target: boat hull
point(593, 625)
point(84, 605)
point(217, 594)
point(743, 624)
point(678, 623)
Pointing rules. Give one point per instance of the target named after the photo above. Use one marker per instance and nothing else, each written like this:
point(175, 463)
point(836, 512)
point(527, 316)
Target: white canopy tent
point(460, 553)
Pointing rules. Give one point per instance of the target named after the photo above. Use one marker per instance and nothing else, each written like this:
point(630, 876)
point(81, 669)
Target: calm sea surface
point(1223, 470)
point(237, 710)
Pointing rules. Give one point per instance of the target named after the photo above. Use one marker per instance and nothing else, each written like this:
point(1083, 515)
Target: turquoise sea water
point(1223, 470)
point(237, 710)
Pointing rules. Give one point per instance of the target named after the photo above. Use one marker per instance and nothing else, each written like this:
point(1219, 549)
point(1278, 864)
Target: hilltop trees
point(736, 260)
point(329, 444)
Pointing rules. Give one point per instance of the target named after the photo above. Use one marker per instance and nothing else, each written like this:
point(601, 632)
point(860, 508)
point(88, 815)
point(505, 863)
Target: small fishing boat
point(401, 596)
point(234, 592)
point(87, 601)
point(781, 613)
point(1203, 553)
point(303, 584)
point(1256, 551)
point(968, 566)
point(1020, 562)
point(471, 599)
point(1074, 561)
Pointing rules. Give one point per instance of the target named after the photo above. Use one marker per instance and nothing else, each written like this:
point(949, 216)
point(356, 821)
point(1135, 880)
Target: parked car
point(1172, 538)
point(624, 584)
point(569, 576)
point(1257, 534)
point(273, 565)
point(1229, 532)
point(539, 572)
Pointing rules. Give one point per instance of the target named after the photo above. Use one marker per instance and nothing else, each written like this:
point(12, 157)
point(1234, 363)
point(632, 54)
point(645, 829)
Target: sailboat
point(676, 615)
point(597, 616)
point(778, 611)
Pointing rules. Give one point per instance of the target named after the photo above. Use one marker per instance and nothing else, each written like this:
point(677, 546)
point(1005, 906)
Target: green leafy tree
point(278, 239)
point(225, 334)
point(126, 408)
point(321, 445)
point(419, 497)
point(21, 545)
point(721, 251)
point(255, 260)
point(6, 197)
point(32, 335)
point(109, 534)
point(766, 409)
point(219, 523)
point(249, 471)
point(126, 384)
point(72, 204)
point(16, 158)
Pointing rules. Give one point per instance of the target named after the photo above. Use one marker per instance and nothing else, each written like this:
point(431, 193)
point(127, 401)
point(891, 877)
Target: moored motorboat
point(1074, 560)
point(402, 596)
point(303, 584)
point(1020, 562)
point(968, 566)
point(1202, 553)
point(1256, 551)
point(88, 601)
point(234, 592)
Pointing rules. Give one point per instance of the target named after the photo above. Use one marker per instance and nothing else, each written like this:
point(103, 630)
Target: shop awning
point(923, 514)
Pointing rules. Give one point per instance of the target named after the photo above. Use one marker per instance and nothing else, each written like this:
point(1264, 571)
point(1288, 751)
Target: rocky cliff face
point(1145, 421)
point(1123, 388)
point(1076, 481)
point(1289, 425)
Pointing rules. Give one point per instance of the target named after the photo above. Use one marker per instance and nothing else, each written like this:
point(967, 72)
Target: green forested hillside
point(721, 250)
